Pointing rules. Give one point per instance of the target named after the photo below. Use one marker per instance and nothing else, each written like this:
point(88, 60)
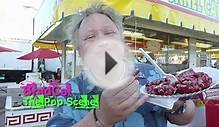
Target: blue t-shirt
point(147, 115)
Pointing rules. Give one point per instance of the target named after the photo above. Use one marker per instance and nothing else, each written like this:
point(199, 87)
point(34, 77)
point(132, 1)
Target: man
point(120, 106)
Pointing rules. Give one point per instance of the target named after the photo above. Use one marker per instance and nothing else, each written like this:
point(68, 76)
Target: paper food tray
point(143, 91)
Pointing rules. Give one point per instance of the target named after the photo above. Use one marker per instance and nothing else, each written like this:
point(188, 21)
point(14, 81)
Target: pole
point(32, 62)
point(74, 65)
point(33, 26)
point(192, 52)
point(63, 61)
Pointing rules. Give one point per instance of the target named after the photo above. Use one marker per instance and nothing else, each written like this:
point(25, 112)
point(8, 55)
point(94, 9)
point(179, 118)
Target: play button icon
point(105, 63)
point(109, 63)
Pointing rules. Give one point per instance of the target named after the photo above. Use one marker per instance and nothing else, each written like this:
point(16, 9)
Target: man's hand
point(185, 117)
point(178, 104)
point(118, 101)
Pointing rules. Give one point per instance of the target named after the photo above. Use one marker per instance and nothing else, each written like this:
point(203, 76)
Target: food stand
point(18, 115)
point(24, 116)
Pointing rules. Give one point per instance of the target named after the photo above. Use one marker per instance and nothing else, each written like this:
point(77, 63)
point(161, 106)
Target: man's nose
point(103, 43)
point(102, 40)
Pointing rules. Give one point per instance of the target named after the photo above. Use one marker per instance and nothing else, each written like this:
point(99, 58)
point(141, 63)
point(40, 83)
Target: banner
point(209, 8)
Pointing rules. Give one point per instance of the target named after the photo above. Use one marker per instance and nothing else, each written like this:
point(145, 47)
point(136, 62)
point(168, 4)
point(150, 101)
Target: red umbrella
point(41, 54)
point(3, 49)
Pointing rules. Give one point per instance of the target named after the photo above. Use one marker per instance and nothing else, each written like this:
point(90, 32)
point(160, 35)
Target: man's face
point(98, 35)
point(96, 28)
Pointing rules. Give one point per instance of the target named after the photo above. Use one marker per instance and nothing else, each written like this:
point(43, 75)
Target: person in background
point(58, 75)
point(216, 64)
point(41, 65)
point(126, 107)
point(49, 76)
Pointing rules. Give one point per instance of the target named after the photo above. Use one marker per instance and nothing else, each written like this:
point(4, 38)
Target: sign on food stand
point(209, 8)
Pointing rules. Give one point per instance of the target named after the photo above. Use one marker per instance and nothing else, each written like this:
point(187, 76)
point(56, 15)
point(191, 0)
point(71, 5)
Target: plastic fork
point(168, 76)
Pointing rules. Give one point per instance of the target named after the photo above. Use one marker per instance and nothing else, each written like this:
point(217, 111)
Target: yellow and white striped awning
point(51, 45)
